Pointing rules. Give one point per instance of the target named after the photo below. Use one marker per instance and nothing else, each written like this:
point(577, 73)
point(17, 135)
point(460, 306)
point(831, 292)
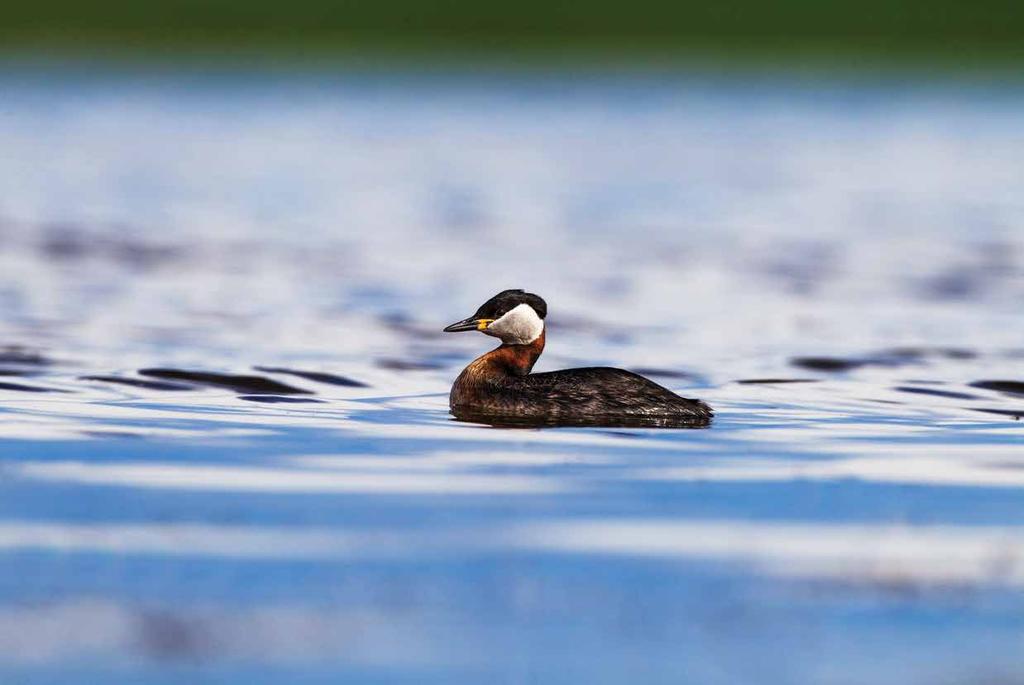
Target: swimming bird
point(499, 388)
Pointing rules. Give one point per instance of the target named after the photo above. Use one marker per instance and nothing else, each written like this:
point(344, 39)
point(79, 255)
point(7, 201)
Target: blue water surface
point(725, 236)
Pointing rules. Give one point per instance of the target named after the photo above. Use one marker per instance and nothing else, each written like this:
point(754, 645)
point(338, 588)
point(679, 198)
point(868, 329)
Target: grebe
point(499, 388)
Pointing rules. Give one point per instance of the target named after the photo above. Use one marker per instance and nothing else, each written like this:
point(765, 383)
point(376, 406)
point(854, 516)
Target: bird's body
point(499, 388)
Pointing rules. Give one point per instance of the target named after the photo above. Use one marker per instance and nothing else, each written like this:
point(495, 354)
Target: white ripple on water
point(870, 554)
point(981, 465)
point(216, 478)
point(186, 540)
point(874, 554)
point(449, 460)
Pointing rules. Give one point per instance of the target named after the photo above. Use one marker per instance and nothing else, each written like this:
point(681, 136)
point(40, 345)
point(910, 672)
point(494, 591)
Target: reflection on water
point(225, 447)
point(592, 421)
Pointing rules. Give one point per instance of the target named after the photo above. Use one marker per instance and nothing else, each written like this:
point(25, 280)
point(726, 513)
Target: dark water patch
point(664, 373)
point(315, 376)
point(17, 372)
point(826, 363)
point(166, 636)
point(392, 364)
point(1009, 387)
point(925, 352)
point(17, 354)
point(143, 256)
point(110, 434)
point(273, 399)
point(252, 385)
point(139, 383)
point(403, 323)
point(936, 393)
point(66, 243)
point(953, 284)
point(986, 267)
point(893, 357)
point(1014, 414)
point(63, 242)
point(18, 387)
point(775, 381)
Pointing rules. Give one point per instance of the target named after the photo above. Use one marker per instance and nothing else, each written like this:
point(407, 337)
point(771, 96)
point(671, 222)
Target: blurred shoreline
point(940, 35)
point(819, 69)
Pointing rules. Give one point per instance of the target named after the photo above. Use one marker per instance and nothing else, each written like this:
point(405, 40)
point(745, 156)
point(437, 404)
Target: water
point(322, 518)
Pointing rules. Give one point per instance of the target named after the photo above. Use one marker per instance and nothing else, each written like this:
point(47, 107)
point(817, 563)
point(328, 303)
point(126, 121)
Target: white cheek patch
point(518, 326)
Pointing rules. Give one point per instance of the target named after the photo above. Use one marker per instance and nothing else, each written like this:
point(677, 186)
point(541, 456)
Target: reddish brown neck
point(516, 360)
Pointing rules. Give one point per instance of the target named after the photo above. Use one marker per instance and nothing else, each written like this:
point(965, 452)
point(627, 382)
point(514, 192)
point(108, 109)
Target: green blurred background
point(934, 31)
